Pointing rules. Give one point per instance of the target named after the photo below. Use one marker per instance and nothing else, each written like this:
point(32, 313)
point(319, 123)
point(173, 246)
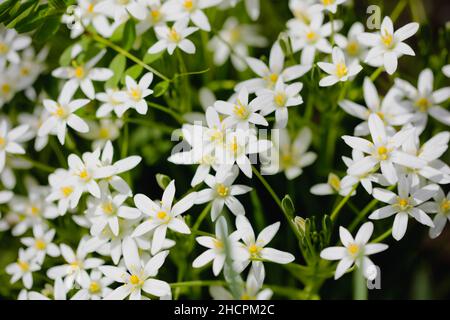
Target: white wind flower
point(30, 67)
point(446, 70)
point(158, 13)
point(303, 12)
point(74, 270)
point(268, 75)
point(329, 5)
point(63, 190)
point(109, 103)
point(355, 251)
point(170, 38)
point(107, 210)
point(9, 141)
point(222, 192)
point(163, 215)
point(441, 206)
point(218, 248)
point(233, 42)
point(404, 204)
point(58, 292)
point(8, 85)
point(12, 164)
point(256, 247)
point(62, 114)
point(193, 10)
point(384, 150)
point(239, 145)
point(5, 196)
point(435, 170)
point(338, 70)
point(312, 37)
point(333, 186)
point(103, 131)
point(34, 121)
point(278, 100)
point(134, 96)
point(87, 170)
point(23, 268)
point(289, 157)
point(423, 101)
point(251, 291)
point(94, 288)
point(389, 44)
point(242, 113)
point(10, 43)
point(118, 167)
point(120, 10)
point(138, 276)
point(389, 109)
point(352, 47)
point(41, 243)
point(82, 75)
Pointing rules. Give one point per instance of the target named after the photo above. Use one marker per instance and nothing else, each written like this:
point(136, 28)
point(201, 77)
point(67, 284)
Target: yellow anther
point(66, 191)
point(134, 280)
point(24, 266)
point(155, 14)
point(311, 36)
point(174, 36)
point(352, 48)
point(90, 8)
point(423, 104)
point(3, 48)
point(218, 244)
point(161, 215)
point(286, 160)
point(254, 249)
point(34, 210)
point(382, 153)
point(327, 2)
point(445, 205)
point(387, 39)
point(222, 190)
point(94, 287)
point(108, 208)
point(240, 111)
point(280, 99)
point(353, 249)
point(84, 175)
point(103, 133)
point(136, 94)
point(59, 112)
point(6, 88)
point(341, 70)
point(24, 71)
point(188, 4)
point(2, 141)
point(334, 181)
point(79, 72)
point(40, 244)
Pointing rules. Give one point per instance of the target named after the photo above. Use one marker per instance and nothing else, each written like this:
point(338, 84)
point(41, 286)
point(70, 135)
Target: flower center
point(84, 175)
point(423, 104)
point(334, 182)
point(2, 141)
point(161, 215)
point(353, 249)
point(34, 211)
point(174, 36)
point(108, 208)
point(3, 48)
point(352, 48)
point(24, 266)
point(218, 244)
point(246, 296)
point(311, 36)
point(382, 153)
point(234, 146)
point(59, 112)
point(280, 99)
point(403, 203)
point(134, 280)
point(79, 72)
point(24, 71)
point(445, 206)
point(240, 111)
point(222, 190)
point(6, 88)
point(327, 2)
point(254, 249)
point(155, 14)
point(188, 5)
point(75, 265)
point(286, 160)
point(341, 70)
point(387, 39)
point(90, 8)
point(103, 133)
point(136, 94)
point(94, 287)
point(40, 244)
point(66, 191)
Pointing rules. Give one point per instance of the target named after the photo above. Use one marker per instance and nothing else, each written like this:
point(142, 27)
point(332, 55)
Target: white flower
point(134, 96)
point(355, 251)
point(389, 109)
point(59, 292)
point(169, 38)
point(303, 12)
point(435, 170)
point(9, 141)
point(251, 291)
point(423, 101)
point(192, 9)
point(256, 247)
point(268, 75)
point(404, 204)
point(94, 288)
point(440, 206)
point(23, 268)
point(63, 183)
point(62, 114)
point(446, 70)
point(352, 47)
point(383, 151)
point(389, 44)
point(120, 10)
point(138, 276)
point(242, 113)
point(163, 215)
point(74, 270)
point(289, 157)
point(218, 248)
point(238, 37)
point(83, 75)
point(158, 13)
point(222, 192)
point(34, 122)
point(41, 243)
point(329, 5)
point(332, 186)
point(279, 99)
point(5, 196)
point(338, 70)
point(312, 37)
point(10, 43)
point(103, 131)
point(110, 103)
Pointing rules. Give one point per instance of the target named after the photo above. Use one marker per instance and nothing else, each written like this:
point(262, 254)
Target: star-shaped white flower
point(338, 70)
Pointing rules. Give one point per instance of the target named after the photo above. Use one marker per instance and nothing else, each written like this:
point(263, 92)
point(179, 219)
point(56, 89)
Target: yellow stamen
point(67, 191)
point(352, 48)
point(334, 181)
point(108, 208)
point(59, 112)
point(353, 249)
point(423, 104)
point(155, 14)
point(40, 244)
point(311, 36)
point(2, 141)
point(94, 287)
point(134, 279)
point(222, 190)
point(286, 160)
point(174, 35)
point(24, 266)
point(382, 153)
point(188, 5)
point(387, 39)
point(103, 133)
point(218, 244)
point(280, 99)
point(6, 88)
point(341, 70)
point(136, 94)
point(34, 210)
point(3, 48)
point(240, 111)
point(84, 175)
point(445, 205)
point(90, 8)
point(161, 215)
point(24, 71)
point(79, 72)
point(254, 249)
point(234, 147)
point(327, 2)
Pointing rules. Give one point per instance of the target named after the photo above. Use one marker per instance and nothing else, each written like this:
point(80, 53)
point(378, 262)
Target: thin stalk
point(338, 208)
point(201, 217)
point(170, 112)
point(36, 164)
point(383, 236)
point(376, 73)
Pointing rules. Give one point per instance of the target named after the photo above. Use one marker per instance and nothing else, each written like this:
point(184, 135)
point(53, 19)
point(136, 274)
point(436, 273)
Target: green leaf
point(149, 58)
point(133, 72)
point(25, 11)
point(160, 88)
point(117, 65)
point(66, 56)
point(47, 29)
point(128, 35)
point(162, 180)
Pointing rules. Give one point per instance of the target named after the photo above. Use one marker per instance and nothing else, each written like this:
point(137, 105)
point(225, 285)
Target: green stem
point(278, 201)
point(201, 217)
point(398, 10)
point(198, 283)
point(376, 73)
point(338, 208)
point(125, 53)
point(383, 236)
point(330, 16)
point(36, 164)
point(359, 285)
point(170, 112)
